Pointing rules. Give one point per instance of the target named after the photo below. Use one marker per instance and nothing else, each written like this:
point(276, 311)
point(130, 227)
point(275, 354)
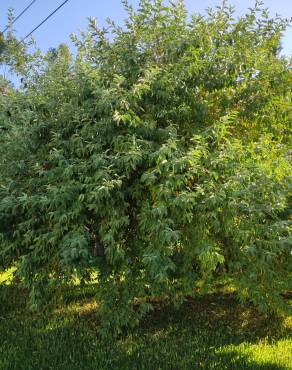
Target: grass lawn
point(211, 332)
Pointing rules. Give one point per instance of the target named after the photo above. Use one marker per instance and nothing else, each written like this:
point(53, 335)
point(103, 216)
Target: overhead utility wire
point(19, 15)
point(44, 21)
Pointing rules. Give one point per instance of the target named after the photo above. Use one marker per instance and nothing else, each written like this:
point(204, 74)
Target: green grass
point(211, 332)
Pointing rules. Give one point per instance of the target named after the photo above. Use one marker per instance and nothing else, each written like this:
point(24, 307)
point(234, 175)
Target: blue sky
point(73, 16)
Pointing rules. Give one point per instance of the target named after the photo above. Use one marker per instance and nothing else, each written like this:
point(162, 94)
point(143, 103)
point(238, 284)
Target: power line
point(19, 15)
point(44, 21)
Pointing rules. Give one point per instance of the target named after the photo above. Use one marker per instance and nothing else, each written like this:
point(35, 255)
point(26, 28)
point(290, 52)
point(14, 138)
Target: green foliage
point(167, 142)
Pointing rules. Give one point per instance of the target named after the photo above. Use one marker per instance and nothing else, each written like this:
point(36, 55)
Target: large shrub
point(156, 157)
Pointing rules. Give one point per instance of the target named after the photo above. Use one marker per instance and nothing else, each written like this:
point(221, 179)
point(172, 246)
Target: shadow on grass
point(212, 332)
point(220, 312)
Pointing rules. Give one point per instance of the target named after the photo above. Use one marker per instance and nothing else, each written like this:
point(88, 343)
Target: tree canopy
point(156, 159)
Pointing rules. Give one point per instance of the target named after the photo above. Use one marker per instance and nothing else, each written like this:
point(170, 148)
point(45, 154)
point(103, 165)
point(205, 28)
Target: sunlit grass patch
point(276, 355)
point(80, 308)
point(6, 277)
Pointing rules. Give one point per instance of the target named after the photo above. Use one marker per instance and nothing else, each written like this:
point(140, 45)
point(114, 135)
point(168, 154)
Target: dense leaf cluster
point(157, 157)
